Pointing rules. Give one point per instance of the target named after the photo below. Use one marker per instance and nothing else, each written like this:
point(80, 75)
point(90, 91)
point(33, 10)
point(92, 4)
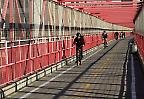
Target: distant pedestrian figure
point(116, 35)
point(104, 37)
point(121, 34)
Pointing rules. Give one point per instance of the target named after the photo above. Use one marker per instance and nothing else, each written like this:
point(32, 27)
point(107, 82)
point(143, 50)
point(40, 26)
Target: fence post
point(6, 51)
point(2, 94)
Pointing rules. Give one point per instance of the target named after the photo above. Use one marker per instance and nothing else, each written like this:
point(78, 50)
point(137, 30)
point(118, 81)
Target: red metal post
point(5, 9)
point(11, 18)
point(30, 17)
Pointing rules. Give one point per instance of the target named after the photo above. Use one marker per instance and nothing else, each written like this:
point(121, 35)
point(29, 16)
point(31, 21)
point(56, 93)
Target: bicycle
point(116, 37)
point(105, 43)
point(78, 56)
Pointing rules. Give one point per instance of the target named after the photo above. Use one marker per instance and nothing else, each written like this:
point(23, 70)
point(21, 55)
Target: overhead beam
point(101, 3)
point(62, 1)
point(97, 1)
point(93, 6)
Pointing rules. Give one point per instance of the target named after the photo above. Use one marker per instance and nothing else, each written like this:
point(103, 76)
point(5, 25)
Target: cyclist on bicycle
point(79, 42)
point(116, 34)
point(104, 37)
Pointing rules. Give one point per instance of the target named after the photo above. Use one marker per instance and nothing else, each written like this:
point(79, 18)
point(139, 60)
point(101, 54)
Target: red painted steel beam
point(122, 6)
point(5, 8)
point(126, 14)
point(102, 4)
point(110, 8)
point(99, 12)
point(116, 12)
point(97, 2)
point(11, 20)
point(44, 8)
point(30, 16)
point(131, 12)
point(19, 20)
point(62, 1)
point(111, 13)
point(104, 7)
point(117, 20)
point(117, 16)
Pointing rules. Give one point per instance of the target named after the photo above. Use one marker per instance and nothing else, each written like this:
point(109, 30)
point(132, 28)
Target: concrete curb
point(25, 81)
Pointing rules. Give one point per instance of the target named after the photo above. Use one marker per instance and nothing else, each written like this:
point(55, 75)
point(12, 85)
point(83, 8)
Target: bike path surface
point(101, 76)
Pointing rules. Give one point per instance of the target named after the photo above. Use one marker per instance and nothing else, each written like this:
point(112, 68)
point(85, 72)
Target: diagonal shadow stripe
point(82, 73)
point(124, 75)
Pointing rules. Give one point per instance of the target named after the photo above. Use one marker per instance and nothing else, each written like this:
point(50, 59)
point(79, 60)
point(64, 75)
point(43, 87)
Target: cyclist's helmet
point(78, 34)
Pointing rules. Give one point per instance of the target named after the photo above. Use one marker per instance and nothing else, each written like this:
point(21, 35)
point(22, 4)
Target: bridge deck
point(101, 75)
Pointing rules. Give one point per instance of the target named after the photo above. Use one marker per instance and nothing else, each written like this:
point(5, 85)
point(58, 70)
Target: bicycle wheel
point(78, 56)
point(105, 43)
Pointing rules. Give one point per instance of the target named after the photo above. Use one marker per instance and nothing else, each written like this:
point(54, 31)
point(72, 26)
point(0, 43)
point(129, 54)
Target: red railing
point(20, 60)
point(139, 39)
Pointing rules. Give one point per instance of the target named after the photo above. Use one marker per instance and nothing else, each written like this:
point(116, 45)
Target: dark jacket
point(79, 41)
point(104, 35)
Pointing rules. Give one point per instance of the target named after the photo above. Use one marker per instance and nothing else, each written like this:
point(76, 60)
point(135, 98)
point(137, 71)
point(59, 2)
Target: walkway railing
point(139, 39)
point(24, 59)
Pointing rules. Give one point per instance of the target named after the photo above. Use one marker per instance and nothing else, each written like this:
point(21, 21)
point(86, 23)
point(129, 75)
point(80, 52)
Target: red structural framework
point(120, 13)
point(25, 50)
